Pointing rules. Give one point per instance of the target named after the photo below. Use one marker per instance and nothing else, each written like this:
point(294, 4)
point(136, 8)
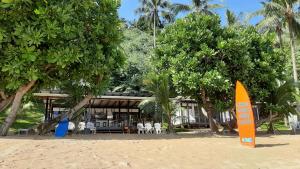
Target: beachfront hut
point(109, 112)
point(114, 111)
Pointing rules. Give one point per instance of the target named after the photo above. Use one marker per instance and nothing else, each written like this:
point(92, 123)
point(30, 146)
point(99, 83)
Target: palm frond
point(231, 18)
point(295, 24)
point(269, 22)
point(177, 8)
point(215, 6)
point(273, 7)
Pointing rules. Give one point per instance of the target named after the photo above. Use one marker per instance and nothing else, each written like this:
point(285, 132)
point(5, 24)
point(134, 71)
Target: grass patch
point(181, 130)
point(30, 115)
point(277, 125)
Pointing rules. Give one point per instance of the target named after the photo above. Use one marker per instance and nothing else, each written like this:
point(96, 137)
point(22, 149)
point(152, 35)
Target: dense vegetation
point(82, 48)
point(48, 44)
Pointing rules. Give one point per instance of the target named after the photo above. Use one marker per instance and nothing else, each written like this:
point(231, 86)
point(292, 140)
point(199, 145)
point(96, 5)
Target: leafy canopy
point(55, 41)
point(137, 46)
point(203, 56)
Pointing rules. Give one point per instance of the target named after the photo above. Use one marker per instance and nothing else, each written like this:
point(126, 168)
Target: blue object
point(62, 128)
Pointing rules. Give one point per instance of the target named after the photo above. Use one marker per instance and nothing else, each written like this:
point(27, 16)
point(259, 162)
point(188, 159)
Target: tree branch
point(3, 96)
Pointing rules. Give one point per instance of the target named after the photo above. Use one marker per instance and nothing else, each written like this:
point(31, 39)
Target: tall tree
point(205, 60)
point(160, 86)
point(279, 13)
point(199, 6)
point(280, 103)
point(231, 18)
point(46, 41)
point(153, 12)
point(137, 46)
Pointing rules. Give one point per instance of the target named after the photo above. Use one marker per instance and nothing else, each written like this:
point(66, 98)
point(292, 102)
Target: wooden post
point(128, 113)
point(188, 109)
point(119, 109)
point(139, 114)
point(51, 110)
point(47, 109)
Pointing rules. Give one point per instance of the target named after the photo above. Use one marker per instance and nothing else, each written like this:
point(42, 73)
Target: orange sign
point(245, 117)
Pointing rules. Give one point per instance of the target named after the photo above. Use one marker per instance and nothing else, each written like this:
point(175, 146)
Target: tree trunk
point(232, 124)
point(154, 30)
point(46, 127)
point(292, 43)
point(5, 103)
point(3, 96)
point(15, 107)
point(270, 127)
point(77, 119)
point(279, 36)
point(170, 125)
point(212, 122)
point(209, 108)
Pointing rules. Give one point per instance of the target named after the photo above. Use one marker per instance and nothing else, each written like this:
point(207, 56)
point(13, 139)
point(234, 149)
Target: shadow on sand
point(118, 136)
point(270, 145)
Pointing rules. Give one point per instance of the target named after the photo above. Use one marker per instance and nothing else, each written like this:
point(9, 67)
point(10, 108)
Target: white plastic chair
point(157, 128)
point(71, 126)
point(140, 128)
point(81, 126)
point(91, 126)
point(148, 128)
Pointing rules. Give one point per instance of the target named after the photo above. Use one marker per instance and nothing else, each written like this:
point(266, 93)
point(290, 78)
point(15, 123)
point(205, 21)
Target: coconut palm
point(160, 87)
point(270, 23)
point(281, 103)
point(155, 13)
point(231, 18)
point(278, 14)
point(201, 6)
point(150, 108)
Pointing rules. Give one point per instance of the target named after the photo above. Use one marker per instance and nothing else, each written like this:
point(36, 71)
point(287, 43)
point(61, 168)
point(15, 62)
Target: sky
point(128, 7)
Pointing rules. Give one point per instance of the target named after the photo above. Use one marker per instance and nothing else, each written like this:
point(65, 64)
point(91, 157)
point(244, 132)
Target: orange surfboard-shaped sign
point(244, 114)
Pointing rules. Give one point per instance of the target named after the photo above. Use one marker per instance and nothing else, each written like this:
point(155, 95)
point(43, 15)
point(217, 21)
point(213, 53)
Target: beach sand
point(149, 152)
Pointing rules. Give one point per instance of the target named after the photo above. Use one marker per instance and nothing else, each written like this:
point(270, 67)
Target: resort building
point(113, 111)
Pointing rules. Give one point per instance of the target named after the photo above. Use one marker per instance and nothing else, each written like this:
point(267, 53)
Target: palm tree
point(281, 13)
point(231, 18)
point(150, 108)
point(200, 6)
point(270, 23)
point(236, 20)
point(281, 103)
point(160, 87)
point(155, 13)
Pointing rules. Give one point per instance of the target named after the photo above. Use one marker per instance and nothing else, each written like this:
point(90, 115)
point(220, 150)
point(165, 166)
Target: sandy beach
point(106, 151)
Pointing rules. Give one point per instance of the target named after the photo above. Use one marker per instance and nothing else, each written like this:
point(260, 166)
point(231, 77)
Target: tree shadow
point(118, 136)
point(270, 145)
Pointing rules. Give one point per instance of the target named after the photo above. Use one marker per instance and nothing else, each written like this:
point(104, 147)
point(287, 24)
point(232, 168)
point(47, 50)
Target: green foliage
point(155, 11)
point(152, 109)
point(159, 85)
point(202, 56)
point(30, 115)
point(200, 6)
point(277, 125)
point(282, 101)
point(59, 42)
point(138, 49)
